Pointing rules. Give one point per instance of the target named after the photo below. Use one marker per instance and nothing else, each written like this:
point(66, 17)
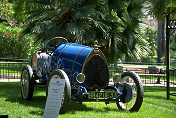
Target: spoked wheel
point(133, 92)
point(27, 83)
point(60, 74)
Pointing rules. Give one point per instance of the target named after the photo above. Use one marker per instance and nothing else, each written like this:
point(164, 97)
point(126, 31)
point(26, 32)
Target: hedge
point(13, 44)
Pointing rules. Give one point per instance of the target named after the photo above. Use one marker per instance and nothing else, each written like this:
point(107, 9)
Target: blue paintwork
point(43, 69)
point(68, 55)
point(70, 58)
point(81, 91)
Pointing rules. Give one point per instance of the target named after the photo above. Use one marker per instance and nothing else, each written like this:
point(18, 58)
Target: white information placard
point(54, 98)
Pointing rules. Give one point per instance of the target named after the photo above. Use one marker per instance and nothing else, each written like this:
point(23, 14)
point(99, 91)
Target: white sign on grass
point(54, 98)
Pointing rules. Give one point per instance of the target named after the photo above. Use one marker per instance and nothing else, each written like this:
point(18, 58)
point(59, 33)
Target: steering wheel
point(54, 43)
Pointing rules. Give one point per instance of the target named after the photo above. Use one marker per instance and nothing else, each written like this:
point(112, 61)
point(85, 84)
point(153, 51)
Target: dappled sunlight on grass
point(154, 105)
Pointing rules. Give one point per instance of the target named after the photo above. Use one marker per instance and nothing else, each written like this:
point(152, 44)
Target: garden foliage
point(6, 10)
point(113, 23)
point(14, 44)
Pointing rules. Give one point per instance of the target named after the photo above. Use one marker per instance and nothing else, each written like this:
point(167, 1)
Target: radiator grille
point(97, 73)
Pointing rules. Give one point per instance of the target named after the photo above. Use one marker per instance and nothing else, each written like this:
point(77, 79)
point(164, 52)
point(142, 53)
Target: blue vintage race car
point(86, 73)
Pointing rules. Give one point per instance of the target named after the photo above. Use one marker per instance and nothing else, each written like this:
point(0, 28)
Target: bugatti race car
point(86, 75)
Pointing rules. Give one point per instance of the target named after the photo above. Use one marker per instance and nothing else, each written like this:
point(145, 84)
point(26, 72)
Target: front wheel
point(60, 74)
point(132, 90)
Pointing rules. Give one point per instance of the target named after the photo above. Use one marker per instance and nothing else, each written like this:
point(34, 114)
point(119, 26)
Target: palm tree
point(113, 23)
point(158, 9)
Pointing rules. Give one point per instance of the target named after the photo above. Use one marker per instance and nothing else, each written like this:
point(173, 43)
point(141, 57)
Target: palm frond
point(112, 22)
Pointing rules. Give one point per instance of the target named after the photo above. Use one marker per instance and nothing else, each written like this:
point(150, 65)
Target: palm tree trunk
point(160, 41)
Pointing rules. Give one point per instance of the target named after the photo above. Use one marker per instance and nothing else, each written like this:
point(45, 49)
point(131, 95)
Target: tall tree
point(114, 23)
point(159, 7)
point(6, 11)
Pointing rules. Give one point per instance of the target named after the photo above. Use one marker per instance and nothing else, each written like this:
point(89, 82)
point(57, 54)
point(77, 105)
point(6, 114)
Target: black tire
point(27, 83)
point(67, 90)
point(136, 84)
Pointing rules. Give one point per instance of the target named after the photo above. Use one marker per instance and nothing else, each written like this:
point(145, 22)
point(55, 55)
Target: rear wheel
point(60, 74)
point(133, 91)
point(27, 83)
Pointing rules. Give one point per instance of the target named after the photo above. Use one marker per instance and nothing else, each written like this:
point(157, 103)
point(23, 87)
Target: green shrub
point(13, 44)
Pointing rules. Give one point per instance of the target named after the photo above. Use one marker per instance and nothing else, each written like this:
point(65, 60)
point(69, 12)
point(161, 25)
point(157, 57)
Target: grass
point(11, 68)
point(15, 70)
point(154, 105)
point(10, 72)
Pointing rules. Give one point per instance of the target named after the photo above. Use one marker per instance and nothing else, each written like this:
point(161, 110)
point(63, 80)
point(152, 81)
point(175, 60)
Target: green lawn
point(10, 72)
point(11, 68)
point(154, 105)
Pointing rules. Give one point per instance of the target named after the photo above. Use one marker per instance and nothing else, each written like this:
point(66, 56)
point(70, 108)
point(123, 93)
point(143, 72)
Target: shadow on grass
point(162, 104)
point(155, 97)
point(37, 101)
point(11, 92)
point(154, 88)
point(157, 89)
point(158, 92)
point(73, 107)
